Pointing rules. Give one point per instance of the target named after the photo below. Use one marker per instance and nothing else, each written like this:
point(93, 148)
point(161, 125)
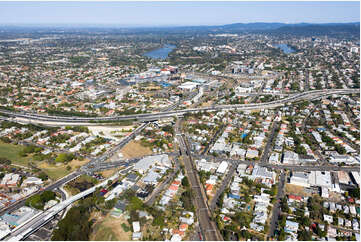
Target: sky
point(129, 14)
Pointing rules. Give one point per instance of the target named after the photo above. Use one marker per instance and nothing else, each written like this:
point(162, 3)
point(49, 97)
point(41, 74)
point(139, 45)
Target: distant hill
point(319, 29)
point(301, 29)
point(252, 26)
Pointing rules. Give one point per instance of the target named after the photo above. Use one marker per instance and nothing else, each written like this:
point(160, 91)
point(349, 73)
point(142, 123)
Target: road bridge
point(23, 231)
point(46, 119)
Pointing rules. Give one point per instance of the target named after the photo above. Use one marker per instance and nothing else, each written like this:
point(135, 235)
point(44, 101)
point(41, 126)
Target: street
point(276, 207)
point(208, 228)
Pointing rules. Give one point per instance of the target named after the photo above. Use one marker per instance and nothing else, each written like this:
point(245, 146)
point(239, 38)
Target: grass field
point(110, 229)
point(11, 152)
point(56, 172)
point(135, 149)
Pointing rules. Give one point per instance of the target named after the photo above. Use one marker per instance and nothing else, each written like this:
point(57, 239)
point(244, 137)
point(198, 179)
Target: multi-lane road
point(27, 228)
point(51, 187)
point(61, 120)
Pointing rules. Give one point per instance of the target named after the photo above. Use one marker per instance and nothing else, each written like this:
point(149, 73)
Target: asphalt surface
point(51, 187)
point(156, 192)
point(276, 207)
point(224, 185)
point(208, 228)
point(316, 94)
point(214, 138)
point(264, 157)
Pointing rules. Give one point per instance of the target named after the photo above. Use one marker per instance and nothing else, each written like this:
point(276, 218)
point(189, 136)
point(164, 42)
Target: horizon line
point(157, 25)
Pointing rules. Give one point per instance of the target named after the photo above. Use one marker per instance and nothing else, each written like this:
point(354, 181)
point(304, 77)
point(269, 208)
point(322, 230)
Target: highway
point(51, 187)
point(57, 120)
point(208, 228)
point(93, 164)
point(27, 228)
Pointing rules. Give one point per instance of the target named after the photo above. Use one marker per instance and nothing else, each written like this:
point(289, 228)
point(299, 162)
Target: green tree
point(304, 236)
point(185, 182)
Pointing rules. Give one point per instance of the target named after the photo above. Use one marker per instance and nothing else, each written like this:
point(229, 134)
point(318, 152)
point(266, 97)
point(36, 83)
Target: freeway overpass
point(62, 120)
point(33, 224)
point(52, 186)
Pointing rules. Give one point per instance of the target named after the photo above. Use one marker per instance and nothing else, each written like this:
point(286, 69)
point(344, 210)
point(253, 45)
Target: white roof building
point(188, 86)
point(144, 164)
point(32, 181)
point(251, 153)
point(236, 150)
point(268, 177)
point(290, 157)
point(176, 238)
point(274, 158)
point(136, 227)
point(241, 169)
point(320, 179)
point(222, 167)
point(204, 165)
point(291, 227)
point(4, 229)
point(300, 179)
point(10, 179)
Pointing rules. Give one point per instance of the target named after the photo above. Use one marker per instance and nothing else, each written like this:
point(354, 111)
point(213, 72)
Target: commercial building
point(188, 86)
point(144, 164)
point(290, 158)
point(222, 168)
point(252, 153)
point(320, 179)
point(300, 179)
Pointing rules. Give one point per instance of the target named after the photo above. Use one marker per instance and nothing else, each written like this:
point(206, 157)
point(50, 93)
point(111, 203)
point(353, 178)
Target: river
point(161, 53)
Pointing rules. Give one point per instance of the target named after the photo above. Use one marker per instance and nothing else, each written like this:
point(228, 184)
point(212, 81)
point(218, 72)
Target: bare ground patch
point(109, 228)
point(135, 149)
point(296, 190)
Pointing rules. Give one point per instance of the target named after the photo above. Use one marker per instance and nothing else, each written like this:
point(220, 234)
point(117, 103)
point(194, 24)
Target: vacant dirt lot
point(296, 190)
point(135, 149)
point(108, 173)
